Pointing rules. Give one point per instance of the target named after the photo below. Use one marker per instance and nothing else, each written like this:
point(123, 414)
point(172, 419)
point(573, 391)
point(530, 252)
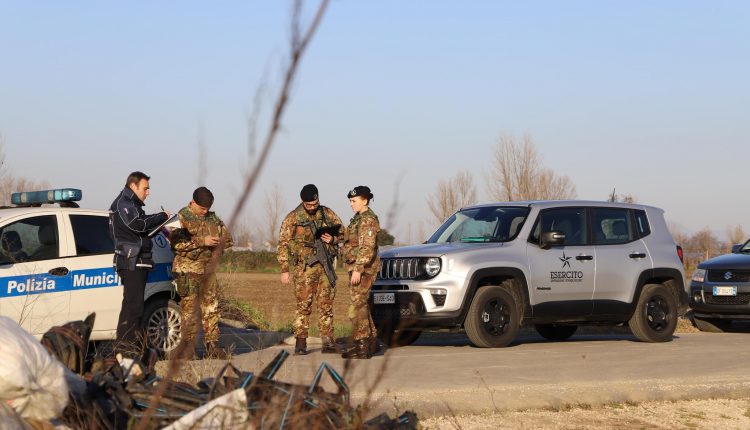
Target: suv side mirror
point(736, 248)
point(551, 238)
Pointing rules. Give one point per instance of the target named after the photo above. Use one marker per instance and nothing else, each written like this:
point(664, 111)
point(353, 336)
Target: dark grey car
point(720, 290)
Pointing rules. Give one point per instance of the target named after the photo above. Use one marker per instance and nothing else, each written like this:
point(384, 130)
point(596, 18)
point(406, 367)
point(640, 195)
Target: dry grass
point(275, 304)
point(275, 301)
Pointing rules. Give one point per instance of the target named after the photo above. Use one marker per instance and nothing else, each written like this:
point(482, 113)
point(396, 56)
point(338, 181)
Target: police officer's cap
point(203, 197)
point(309, 193)
point(360, 190)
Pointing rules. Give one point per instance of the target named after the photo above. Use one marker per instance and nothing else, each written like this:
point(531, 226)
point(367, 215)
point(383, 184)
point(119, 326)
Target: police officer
point(296, 247)
point(201, 235)
point(363, 263)
point(130, 228)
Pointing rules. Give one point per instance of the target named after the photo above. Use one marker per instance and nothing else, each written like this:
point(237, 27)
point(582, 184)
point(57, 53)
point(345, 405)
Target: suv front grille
point(736, 275)
point(739, 299)
point(399, 268)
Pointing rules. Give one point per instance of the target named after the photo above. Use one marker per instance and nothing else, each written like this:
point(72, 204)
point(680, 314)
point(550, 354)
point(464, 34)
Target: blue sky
point(650, 98)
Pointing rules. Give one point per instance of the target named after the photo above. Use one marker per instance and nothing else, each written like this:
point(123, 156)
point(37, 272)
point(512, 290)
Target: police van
point(56, 266)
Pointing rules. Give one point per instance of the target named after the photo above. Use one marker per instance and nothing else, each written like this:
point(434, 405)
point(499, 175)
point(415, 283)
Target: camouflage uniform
point(190, 261)
point(310, 282)
point(361, 255)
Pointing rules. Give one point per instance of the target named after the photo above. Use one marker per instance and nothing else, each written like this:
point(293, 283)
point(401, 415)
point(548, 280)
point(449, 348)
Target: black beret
point(203, 197)
point(309, 193)
point(360, 190)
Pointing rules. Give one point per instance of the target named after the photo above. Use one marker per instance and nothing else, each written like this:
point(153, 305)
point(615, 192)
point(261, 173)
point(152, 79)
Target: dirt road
point(699, 380)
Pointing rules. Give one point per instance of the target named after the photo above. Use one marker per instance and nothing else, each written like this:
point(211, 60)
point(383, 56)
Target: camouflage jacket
point(296, 233)
point(190, 253)
point(361, 243)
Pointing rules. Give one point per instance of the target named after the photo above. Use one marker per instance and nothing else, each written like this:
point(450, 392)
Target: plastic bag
point(32, 381)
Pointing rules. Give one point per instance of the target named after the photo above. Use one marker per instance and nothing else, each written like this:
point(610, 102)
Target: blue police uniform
point(130, 227)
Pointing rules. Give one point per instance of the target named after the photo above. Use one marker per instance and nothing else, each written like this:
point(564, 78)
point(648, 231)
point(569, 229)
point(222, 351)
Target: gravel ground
point(685, 414)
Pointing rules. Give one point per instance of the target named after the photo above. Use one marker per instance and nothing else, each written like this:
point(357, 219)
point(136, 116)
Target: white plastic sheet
point(226, 412)
point(32, 381)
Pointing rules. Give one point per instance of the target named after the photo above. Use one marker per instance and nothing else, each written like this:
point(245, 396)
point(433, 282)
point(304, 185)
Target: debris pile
point(108, 394)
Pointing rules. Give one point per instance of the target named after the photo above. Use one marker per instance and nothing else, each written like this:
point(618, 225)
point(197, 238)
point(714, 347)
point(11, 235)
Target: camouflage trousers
point(188, 285)
point(311, 283)
point(359, 310)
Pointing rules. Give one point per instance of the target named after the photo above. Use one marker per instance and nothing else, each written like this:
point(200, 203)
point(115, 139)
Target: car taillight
point(679, 253)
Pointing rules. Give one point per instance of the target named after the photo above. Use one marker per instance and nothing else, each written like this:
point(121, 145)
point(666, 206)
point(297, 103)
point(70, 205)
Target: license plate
point(725, 291)
point(384, 298)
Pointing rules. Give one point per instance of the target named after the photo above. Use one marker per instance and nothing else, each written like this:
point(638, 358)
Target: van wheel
point(493, 318)
point(555, 332)
point(655, 316)
point(712, 325)
point(162, 320)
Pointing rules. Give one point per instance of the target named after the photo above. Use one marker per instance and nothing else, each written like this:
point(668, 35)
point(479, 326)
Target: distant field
point(276, 302)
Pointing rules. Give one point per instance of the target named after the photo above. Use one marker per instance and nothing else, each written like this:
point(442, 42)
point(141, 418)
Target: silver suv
point(489, 269)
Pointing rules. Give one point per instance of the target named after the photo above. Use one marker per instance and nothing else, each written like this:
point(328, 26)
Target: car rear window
point(641, 223)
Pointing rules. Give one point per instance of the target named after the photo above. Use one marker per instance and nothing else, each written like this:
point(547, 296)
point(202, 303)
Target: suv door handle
point(584, 257)
point(637, 255)
point(59, 271)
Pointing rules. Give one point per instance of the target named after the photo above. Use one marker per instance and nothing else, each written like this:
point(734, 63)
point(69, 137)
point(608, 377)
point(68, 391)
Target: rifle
point(321, 251)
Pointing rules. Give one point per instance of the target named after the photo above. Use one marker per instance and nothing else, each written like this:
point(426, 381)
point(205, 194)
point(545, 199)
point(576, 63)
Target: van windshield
point(485, 224)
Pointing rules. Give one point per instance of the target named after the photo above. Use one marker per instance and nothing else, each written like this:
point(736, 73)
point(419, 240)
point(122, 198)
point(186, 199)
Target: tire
point(162, 323)
point(493, 320)
point(555, 332)
point(396, 338)
point(712, 325)
point(655, 316)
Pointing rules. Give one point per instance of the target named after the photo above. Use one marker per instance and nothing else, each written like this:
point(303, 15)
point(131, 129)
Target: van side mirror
point(551, 238)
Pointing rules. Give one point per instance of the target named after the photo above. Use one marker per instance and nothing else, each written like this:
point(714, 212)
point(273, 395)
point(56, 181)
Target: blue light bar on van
point(47, 196)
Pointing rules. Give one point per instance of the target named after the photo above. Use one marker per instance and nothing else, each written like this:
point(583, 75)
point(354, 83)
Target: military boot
point(329, 346)
point(361, 350)
point(300, 347)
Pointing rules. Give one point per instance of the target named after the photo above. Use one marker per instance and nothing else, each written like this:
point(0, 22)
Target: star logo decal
point(565, 260)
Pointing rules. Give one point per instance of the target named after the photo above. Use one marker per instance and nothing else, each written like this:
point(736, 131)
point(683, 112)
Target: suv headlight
point(432, 266)
point(699, 275)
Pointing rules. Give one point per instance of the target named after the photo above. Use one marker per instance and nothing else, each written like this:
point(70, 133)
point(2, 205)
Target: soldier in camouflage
point(294, 254)
point(202, 233)
point(363, 263)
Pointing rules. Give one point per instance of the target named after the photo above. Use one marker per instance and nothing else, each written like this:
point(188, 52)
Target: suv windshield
point(485, 224)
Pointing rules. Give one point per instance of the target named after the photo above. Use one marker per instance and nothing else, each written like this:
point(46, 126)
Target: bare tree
point(3, 167)
point(736, 234)
point(299, 43)
point(517, 174)
point(678, 235)
point(704, 243)
point(625, 198)
point(242, 236)
point(272, 208)
point(451, 195)
point(9, 183)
